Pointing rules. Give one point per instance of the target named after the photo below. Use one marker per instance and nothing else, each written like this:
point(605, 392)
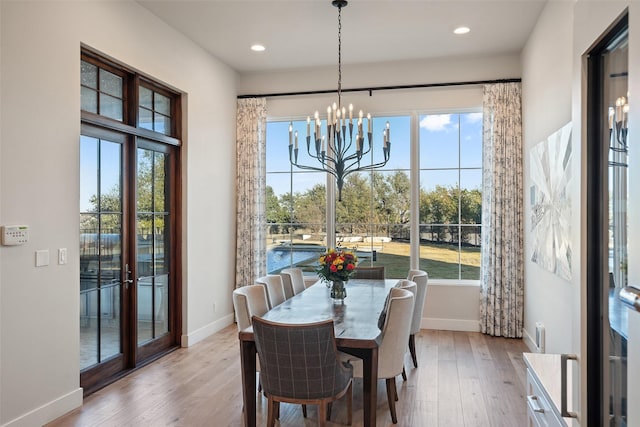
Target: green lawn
point(439, 260)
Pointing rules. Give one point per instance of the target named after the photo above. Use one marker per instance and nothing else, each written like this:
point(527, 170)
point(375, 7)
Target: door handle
point(127, 276)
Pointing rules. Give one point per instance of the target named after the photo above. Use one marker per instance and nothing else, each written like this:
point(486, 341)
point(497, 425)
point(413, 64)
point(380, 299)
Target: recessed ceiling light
point(258, 48)
point(461, 30)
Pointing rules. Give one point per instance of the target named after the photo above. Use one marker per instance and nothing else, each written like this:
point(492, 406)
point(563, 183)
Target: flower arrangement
point(337, 265)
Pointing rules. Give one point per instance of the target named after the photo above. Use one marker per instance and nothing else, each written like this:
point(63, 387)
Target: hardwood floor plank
point(463, 379)
point(474, 411)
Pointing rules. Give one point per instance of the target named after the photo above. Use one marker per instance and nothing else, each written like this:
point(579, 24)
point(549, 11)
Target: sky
point(109, 168)
point(446, 141)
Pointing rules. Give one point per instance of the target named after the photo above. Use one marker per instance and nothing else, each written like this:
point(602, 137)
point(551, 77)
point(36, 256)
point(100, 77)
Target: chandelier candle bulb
point(290, 133)
point(611, 114)
point(296, 136)
point(369, 123)
point(619, 103)
point(308, 126)
point(350, 113)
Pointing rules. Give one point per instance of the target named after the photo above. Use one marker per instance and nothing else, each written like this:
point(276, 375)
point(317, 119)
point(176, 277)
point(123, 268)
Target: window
point(374, 216)
point(102, 90)
point(296, 203)
point(450, 195)
point(154, 111)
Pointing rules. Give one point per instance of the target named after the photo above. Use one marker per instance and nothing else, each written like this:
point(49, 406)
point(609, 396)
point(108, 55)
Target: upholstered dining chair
point(420, 278)
point(295, 277)
point(275, 289)
point(376, 272)
point(287, 285)
point(395, 333)
point(249, 301)
point(300, 364)
point(412, 287)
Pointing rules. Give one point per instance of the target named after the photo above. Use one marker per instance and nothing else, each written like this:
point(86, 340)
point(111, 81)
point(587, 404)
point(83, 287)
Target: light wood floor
point(463, 379)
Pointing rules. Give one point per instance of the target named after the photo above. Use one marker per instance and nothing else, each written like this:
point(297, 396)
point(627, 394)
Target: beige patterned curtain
point(250, 190)
point(502, 281)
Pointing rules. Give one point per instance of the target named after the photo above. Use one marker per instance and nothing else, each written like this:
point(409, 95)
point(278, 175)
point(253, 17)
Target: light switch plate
point(42, 258)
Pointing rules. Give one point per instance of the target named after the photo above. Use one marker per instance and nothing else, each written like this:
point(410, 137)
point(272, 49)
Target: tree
point(354, 211)
point(399, 197)
point(310, 208)
point(439, 206)
point(470, 212)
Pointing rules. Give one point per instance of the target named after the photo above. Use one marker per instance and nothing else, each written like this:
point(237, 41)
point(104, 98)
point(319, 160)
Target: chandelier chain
point(339, 56)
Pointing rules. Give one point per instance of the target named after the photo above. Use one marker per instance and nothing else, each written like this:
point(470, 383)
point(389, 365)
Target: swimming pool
point(284, 257)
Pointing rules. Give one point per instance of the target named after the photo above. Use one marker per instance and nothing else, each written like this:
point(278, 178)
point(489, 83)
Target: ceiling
point(304, 33)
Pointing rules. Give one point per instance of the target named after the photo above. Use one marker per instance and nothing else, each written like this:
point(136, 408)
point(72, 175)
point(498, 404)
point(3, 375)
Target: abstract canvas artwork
point(551, 202)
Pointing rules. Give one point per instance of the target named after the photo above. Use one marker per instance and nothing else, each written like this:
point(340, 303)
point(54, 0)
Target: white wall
point(39, 185)
point(448, 306)
point(546, 106)
point(383, 74)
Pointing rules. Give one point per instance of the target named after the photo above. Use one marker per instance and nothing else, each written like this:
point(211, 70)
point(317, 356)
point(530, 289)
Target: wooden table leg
point(370, 386)
point(248, 364)
point(369, 358)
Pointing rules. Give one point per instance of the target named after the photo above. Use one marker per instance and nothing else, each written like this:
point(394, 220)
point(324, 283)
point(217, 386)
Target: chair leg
point(304, 411)
point(391, 391)
point(412, 349)
point(271, 421)
point(329, 406)
point(349, 403)
point(404, 373)
point(322, 414)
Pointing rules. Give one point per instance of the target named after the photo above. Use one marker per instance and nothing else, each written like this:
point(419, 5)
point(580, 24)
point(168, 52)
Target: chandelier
point(339, 152)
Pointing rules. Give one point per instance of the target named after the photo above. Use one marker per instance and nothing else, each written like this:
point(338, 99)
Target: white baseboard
point(529, 341)
point(199, 334)
point(450, 324)
point(49, 411)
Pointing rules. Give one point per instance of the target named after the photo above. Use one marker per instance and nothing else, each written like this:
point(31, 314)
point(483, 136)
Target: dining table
point(356, 329)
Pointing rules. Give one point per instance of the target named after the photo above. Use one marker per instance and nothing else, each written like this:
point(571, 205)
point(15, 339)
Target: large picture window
point(374, 216)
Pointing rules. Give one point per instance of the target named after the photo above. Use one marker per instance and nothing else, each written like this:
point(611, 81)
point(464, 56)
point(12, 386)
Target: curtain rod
point(379, 88)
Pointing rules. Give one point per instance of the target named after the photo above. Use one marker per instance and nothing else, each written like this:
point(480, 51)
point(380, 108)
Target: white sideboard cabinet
point(544, 389)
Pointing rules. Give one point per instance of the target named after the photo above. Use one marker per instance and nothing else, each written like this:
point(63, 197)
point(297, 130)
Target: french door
point(129, 301)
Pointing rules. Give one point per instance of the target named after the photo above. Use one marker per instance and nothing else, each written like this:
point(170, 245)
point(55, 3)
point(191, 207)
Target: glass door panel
point(616, 104)
point(100, 250)
point(152, 244)
point(606, 213)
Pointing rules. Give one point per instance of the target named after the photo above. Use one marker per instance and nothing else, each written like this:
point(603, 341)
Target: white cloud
point(474, 117)
point(436, 123)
